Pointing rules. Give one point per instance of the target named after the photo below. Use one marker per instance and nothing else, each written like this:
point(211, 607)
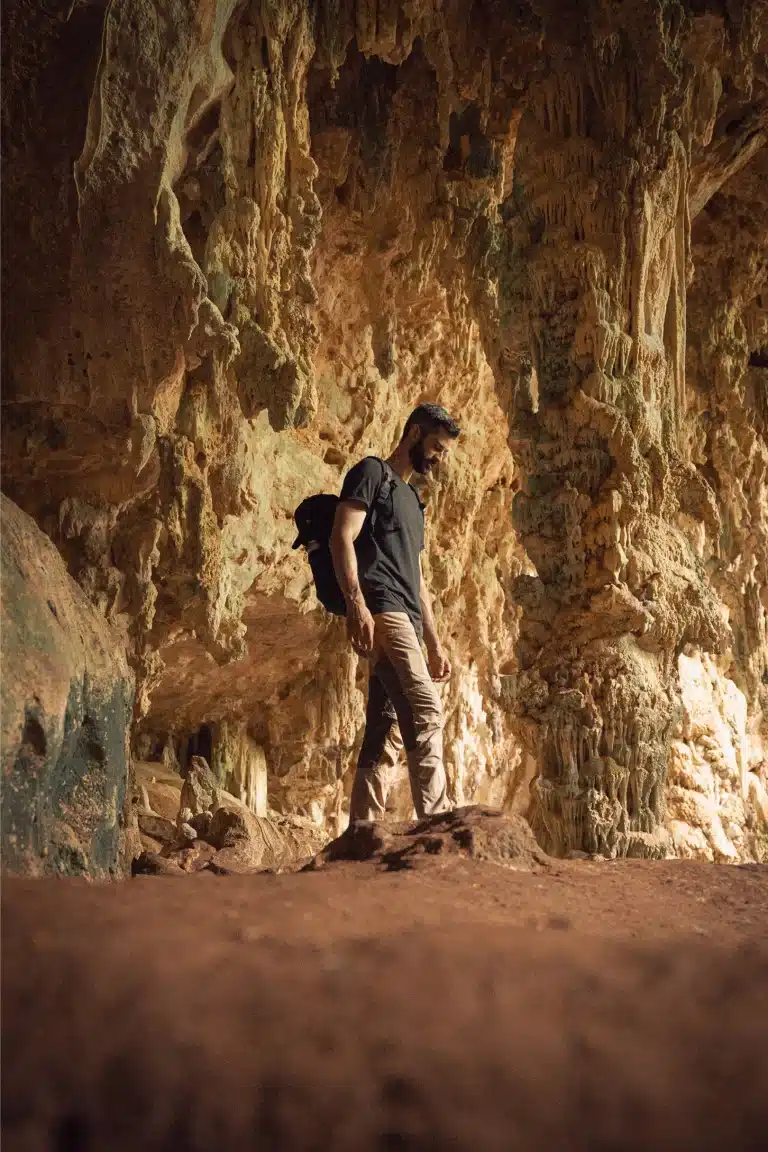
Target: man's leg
point(404, 673)
point(377, 762)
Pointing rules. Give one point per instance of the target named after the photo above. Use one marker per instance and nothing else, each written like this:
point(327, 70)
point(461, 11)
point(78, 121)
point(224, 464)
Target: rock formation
point(625, 135)
point(67, 694)
point(242, 239)
point(475, 832)
point(194, 824)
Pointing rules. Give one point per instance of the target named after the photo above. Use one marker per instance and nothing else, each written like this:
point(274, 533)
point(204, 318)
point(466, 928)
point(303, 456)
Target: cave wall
point(242, 240)
point(66, 697)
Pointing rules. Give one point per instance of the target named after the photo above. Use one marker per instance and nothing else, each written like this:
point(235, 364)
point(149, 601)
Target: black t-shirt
point(390, 544)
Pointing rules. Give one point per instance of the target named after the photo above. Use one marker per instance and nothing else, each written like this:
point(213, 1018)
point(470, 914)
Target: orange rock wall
point(243, 240)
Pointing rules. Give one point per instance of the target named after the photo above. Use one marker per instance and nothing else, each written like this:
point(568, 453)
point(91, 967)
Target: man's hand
point(360, 626)
point(438, 663)
point(347, 525)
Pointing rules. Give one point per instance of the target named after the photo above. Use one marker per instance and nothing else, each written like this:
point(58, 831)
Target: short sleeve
point(363, 481)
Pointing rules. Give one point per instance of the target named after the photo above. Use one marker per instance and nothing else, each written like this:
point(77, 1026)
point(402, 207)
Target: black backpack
point(314, 520)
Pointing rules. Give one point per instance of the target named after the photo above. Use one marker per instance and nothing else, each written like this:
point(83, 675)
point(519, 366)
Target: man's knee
point(427, 714)
point(376, 737)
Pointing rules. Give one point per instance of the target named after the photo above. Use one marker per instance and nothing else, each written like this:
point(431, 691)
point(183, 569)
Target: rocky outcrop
point(615, 136)
point(286, 225)
point(193, 824)
point(717, 805)
point(718, 794)
point(67, 695)
point(474, 832)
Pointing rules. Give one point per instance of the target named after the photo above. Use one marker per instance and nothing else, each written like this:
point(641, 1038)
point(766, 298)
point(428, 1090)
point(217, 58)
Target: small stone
point(187, 832)
point(157, 827)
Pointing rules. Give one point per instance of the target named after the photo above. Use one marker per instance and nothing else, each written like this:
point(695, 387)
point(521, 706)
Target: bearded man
point(376, 545)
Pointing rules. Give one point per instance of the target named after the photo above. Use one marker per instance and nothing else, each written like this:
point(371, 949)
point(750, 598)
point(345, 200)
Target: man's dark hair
point(431, 418)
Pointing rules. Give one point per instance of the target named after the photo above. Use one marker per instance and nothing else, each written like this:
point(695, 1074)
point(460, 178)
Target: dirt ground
point(459, 1006)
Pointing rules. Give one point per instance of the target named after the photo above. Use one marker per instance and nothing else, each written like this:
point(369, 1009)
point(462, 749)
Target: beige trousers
point(403, 709)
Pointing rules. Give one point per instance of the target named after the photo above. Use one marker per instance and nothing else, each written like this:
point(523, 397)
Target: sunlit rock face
point(717, 804)
point(243, 240)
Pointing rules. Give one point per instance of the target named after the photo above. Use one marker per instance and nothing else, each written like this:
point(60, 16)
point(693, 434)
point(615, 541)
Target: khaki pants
point(401, 694)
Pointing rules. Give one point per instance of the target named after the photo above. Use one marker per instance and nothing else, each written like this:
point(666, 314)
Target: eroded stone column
point(600, 221)
point(240, 764)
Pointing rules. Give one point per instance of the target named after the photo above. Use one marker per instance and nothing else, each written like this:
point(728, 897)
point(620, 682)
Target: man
point(389, 612)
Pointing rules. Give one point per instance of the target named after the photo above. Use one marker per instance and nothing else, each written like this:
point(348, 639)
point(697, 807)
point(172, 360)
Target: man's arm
point(347, 526)
point(437, 661)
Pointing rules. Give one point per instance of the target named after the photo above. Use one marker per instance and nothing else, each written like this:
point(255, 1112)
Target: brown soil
point(456, 1006)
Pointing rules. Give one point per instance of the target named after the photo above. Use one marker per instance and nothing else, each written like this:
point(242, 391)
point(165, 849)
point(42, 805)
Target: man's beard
point(421, 463)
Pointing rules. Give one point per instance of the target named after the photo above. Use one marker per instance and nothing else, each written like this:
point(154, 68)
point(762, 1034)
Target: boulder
point(201, 824)
point(476, 832)
point(158, 828)
point(67, 697)
point(157, 789)
point(200, 791)
point(231, 840)
point(246, 842)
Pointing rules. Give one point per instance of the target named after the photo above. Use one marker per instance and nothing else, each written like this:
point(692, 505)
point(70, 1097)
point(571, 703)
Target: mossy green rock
point(67, 696)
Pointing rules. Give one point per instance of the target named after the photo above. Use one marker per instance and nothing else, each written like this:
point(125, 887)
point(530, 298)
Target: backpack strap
point(385, 483)
point(387, 479)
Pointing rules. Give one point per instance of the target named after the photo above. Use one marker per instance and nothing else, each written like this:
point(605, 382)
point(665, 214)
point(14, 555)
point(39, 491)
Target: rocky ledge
point(474, 832)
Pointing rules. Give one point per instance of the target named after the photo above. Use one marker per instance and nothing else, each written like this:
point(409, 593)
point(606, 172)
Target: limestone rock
point(201, 824)
point(157, 828)
point(477, 832)
point(157, 790)
point(246, 842)
point(286, 225)
point(231, 840)
point(201, 788)
point(67, 694)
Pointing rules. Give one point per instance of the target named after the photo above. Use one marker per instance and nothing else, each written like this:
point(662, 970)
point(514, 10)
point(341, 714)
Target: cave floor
point(456, 1006)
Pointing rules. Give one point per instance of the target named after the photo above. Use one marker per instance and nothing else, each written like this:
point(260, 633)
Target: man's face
point(428, 450)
